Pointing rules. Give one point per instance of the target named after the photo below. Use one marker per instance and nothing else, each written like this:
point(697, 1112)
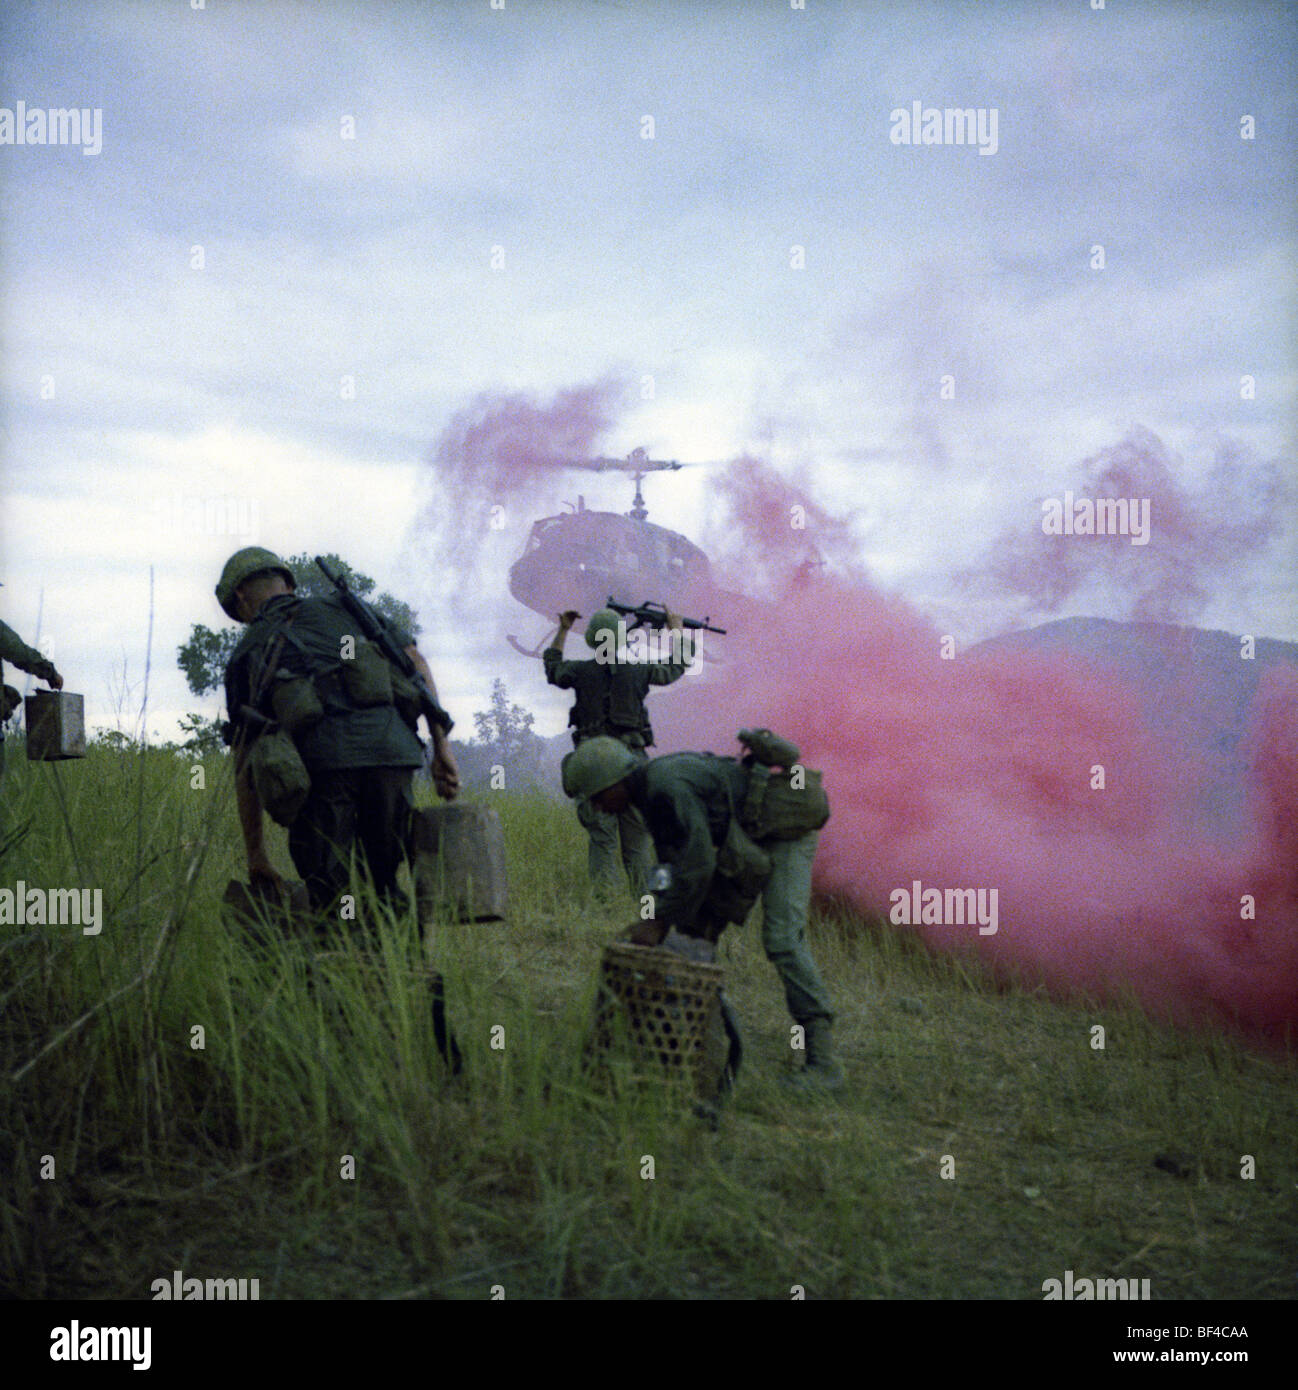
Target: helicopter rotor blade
point(642, 465)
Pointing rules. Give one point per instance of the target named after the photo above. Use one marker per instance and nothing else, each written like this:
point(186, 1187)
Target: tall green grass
point(529, 1172)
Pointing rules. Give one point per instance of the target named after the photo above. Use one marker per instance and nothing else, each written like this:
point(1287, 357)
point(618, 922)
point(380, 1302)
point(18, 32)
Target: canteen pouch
point(742, 871)
point(279, 775)
point(10, 699)
point(367, 677)
point(297, 705)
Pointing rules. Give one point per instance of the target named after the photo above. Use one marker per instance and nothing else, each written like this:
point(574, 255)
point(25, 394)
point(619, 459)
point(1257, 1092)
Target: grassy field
point(132, 1152)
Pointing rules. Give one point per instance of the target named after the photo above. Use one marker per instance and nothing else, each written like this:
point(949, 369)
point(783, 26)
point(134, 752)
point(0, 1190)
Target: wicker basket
point(670, 1008)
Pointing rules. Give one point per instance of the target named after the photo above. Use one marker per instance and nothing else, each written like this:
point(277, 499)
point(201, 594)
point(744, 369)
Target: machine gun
point(429, 705)
point(655, 615)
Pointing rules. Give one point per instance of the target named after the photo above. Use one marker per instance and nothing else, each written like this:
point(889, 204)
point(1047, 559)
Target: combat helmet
point(596, 765)
point(243, 564)
point(602, 620)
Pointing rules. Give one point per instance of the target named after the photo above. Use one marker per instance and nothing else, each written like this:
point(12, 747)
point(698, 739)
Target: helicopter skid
point(521, 649)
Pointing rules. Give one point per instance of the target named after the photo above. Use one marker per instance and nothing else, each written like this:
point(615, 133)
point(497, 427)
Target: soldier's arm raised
point(665, 672)
point(557, 670)
point(566, 620)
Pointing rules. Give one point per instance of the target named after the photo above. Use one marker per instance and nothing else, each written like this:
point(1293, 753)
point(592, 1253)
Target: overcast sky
point(312, 233)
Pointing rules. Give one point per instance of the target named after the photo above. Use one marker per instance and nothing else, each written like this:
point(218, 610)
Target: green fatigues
point(361, 760)
point(13, 648)
point(687, 800)
point(610, 701)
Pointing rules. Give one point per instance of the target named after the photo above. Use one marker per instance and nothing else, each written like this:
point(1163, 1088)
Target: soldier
point(610, 704)
point(303, 662)
point(13, 648)
point(711, 871)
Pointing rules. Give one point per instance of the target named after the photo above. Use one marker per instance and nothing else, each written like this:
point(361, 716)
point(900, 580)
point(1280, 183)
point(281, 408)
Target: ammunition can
point(459, 861)
point(56, 726)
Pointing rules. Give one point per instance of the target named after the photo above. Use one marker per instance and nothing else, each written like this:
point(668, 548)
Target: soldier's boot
point(823, 1071)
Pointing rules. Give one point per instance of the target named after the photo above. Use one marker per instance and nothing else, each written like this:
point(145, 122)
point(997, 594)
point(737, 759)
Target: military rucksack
point(323, 683)
point(783, 800)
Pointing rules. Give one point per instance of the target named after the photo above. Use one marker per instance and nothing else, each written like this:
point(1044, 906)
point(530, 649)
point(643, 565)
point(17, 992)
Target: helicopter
point(581, 558)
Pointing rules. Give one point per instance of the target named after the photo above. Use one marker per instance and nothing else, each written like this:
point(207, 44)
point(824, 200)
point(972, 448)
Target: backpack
point(784, 804)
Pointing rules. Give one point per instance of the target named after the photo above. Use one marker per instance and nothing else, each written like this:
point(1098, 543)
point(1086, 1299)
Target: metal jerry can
point(56, 726)
point(459, 861)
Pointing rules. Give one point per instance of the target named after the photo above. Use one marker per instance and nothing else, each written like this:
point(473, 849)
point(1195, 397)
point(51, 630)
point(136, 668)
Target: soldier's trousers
point(636, 849)
point(366, 809)
point(786, 901)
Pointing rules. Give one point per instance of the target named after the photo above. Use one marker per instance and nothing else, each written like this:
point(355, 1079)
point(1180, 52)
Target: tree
point(505, 728)
point(205, 656)
point(505, 741)
point(204, 736)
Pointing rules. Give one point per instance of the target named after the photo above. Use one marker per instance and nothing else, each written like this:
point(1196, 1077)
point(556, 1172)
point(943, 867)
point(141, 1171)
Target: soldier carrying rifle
point(323, 716)
point(610, 703)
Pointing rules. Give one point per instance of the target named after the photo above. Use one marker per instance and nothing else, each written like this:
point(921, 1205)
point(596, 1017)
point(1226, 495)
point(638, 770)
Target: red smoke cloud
point(502, 446)
point(1192, 539)
point(772, 532)
point(978, 772)
point(502, 452)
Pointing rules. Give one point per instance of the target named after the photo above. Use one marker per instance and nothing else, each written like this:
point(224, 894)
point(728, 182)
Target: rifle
point(655, 615)
point(429, 705)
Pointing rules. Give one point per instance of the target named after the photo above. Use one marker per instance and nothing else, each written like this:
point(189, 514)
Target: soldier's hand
point(673, 619)
point(446, 776)
point(263, 876)
point(568, 617)
point(55, 680)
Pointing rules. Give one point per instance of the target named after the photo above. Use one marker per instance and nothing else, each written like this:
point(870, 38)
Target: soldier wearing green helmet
point(303, 669)
point(610, 704)
point(717, 854)
point(244, 565)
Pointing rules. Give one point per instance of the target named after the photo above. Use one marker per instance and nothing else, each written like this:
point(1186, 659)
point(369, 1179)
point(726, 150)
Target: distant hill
point(1193, 685)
